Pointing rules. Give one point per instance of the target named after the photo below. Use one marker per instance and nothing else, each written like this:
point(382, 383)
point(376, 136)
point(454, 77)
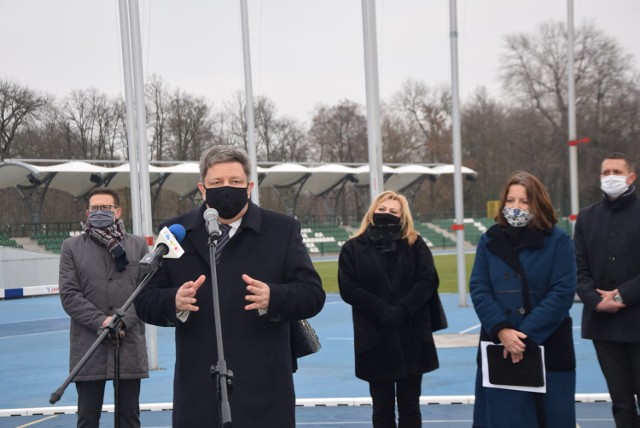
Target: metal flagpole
point(141, 120)
point(128, 101)
point(458, 226)
point(376, 183)
point(248, 90)
point(143, 157)
point(137, 139)
point(571, 92)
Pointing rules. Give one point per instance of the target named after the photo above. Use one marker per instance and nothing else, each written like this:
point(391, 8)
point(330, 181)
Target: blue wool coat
point(543, 263)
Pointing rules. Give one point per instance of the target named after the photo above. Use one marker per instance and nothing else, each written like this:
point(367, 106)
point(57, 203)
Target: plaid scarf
point(110, 238)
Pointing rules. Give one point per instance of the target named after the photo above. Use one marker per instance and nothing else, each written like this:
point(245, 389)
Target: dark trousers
point(91, 395)
point(384, 394)
point(620, 364)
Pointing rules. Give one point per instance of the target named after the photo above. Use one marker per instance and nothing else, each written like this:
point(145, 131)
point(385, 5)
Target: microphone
point(211, 219)
point(167, 245)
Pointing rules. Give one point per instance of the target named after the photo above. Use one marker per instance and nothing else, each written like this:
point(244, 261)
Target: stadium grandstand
point(321, 237)
point(34, 179)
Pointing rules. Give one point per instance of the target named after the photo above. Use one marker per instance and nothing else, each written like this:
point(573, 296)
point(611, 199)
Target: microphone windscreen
point(211, 214)
point(178, 231)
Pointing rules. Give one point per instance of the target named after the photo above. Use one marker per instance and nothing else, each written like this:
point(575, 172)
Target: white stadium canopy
point(78, 178)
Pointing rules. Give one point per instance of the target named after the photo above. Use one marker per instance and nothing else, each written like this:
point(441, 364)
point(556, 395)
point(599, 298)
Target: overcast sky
point(304, 52)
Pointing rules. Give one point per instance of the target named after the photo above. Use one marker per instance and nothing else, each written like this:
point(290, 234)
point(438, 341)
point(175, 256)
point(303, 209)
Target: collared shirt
point(184, 315)
point(234, 227)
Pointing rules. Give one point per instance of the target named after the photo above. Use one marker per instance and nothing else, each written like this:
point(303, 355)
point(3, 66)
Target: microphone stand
point(115, 332)
point(220, 372)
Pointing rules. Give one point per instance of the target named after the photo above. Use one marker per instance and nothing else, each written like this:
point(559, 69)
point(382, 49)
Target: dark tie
point(222, 240)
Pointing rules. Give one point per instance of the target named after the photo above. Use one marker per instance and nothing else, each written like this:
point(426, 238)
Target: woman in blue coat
point(522, 285)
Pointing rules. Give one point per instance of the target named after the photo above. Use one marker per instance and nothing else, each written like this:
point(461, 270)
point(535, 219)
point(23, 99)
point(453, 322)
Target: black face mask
point(384, 219)
point(229, 201)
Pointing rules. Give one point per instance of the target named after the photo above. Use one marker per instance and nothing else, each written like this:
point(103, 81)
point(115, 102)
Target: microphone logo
point(167, 245)
point(171, 239)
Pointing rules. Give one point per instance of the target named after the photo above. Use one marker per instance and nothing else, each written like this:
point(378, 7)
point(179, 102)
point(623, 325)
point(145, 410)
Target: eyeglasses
point(94, 208)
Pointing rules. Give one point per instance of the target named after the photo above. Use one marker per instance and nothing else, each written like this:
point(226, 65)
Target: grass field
point(445, 264)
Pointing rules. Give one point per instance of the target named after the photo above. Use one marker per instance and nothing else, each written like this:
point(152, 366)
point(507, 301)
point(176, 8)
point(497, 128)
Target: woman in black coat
point(386, 273)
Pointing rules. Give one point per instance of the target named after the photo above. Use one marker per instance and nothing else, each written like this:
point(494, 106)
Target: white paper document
point(485, 373)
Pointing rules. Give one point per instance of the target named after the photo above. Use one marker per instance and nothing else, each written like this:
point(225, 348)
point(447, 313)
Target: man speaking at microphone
point(262, 266)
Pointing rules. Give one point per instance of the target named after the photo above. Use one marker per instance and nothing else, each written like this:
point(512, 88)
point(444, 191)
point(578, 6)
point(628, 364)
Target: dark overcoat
point(607, 238)
point(91, 288)
point(543, 266)
point(268, 247)
point(371, 285)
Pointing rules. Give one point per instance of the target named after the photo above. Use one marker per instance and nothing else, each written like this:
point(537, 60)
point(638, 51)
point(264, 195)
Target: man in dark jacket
point(607, 239)
point(98, 273)
point(263, 266)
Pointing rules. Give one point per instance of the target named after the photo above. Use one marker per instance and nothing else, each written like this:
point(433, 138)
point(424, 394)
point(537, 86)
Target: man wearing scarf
point(98, 273)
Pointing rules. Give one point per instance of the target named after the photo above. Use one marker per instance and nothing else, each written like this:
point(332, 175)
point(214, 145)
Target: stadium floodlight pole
point(571, 92)
point(458, 226)
point(144, 188)
point(248, 90)
point(376, 182)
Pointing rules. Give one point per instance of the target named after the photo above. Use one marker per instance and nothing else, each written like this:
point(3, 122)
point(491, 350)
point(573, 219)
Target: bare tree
point(18, 105)
point(189, 126)
point(427, 111)
point(158, 102)
point(339, 133)
point(277, 139)
point(108, 114)
point(400, 142)
point(93, 125)
point(80, 122)
point(292, 141)
point(534, 71)
point(233, 126)
point(266, 126)
point(45, 139)
point(486, 142)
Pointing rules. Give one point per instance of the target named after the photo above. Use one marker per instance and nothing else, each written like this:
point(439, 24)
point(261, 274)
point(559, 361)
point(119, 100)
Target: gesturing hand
point(186, 295)
point(259, 293)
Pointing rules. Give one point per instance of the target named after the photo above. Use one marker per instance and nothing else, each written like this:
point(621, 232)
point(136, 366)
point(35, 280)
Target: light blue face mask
point(101, 219)
point(517, 217)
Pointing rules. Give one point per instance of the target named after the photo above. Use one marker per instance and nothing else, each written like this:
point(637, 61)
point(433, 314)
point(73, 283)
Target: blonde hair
point(406, 221)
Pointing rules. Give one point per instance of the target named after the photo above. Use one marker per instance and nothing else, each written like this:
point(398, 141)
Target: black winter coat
point(607, 239)
point(268, 247)
point(384, 353)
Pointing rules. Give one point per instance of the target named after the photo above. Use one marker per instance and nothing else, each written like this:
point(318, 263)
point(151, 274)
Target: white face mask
point(614, 185)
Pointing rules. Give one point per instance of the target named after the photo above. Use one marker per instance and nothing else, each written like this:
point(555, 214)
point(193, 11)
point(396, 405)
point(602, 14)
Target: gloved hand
point(394, 316)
